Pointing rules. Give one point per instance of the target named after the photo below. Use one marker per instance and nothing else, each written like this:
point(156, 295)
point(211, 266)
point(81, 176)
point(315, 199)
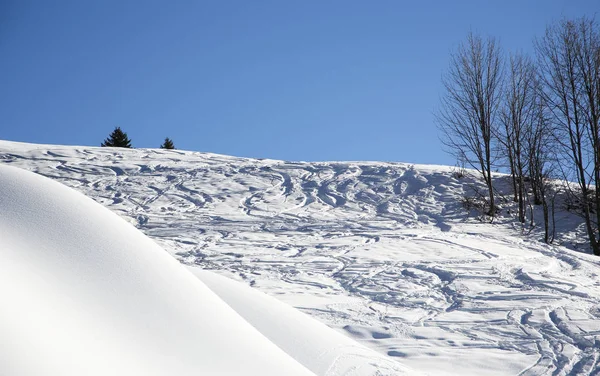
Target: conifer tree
point(168, 144)
point(118, 139)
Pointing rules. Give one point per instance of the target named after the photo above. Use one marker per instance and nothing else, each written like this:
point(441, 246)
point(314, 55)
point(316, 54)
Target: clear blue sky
point(285, 79)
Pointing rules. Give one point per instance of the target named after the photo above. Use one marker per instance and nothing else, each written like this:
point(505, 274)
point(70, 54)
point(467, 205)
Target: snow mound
point(85, 293)
point(310, 342)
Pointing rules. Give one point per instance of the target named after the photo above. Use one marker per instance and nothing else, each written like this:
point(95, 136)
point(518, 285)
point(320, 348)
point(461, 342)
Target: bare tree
point(539, 147)
point(587, 60)
point(469, 108)
point(517, 119)
point(570, 66)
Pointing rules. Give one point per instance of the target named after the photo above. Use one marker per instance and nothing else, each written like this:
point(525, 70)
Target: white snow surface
point(85, 293)
point(383, 253)
point(308, 341)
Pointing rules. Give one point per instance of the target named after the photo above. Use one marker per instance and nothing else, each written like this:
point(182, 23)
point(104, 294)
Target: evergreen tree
point(118, 139)
point(168, 144)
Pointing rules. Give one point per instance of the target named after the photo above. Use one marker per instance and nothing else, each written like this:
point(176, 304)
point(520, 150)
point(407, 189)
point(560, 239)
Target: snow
point(383, 253)
point(310, 342)
point(85, 293)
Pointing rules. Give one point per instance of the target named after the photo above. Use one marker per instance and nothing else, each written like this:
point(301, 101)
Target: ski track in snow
point(383, 252)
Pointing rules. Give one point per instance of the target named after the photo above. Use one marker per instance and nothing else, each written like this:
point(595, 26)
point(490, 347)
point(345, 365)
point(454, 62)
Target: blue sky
point(294, 80)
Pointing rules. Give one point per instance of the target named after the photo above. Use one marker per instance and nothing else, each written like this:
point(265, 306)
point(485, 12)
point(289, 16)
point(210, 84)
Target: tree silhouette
point(118, 139)
point(168, 144)
point(469, 108)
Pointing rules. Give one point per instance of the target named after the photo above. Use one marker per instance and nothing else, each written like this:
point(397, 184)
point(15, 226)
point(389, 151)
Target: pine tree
point(118, 139)
point(168, 144)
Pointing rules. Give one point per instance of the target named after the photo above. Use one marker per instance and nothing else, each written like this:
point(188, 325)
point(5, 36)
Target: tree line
point(538, 115)
point(118, 138)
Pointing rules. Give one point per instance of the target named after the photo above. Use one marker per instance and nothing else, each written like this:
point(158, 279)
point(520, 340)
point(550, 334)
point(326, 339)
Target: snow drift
point(85, 293)
point(310, 342)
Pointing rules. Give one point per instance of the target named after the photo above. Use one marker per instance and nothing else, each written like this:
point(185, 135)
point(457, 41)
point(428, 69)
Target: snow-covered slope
point(382, 252)
point(308, 341)
point(85, 293)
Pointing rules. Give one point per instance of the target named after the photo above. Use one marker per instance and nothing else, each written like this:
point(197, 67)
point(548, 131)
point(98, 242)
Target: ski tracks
point(376, 248)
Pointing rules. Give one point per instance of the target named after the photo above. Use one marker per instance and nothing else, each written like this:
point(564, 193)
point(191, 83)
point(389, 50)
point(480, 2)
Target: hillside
point(382, 252)
point(84, 292)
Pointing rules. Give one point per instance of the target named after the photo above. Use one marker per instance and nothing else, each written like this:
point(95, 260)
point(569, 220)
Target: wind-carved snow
point(383, 252)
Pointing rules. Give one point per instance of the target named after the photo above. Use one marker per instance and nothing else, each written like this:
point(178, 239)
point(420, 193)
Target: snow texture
point(382, 252)
point(85, 293)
